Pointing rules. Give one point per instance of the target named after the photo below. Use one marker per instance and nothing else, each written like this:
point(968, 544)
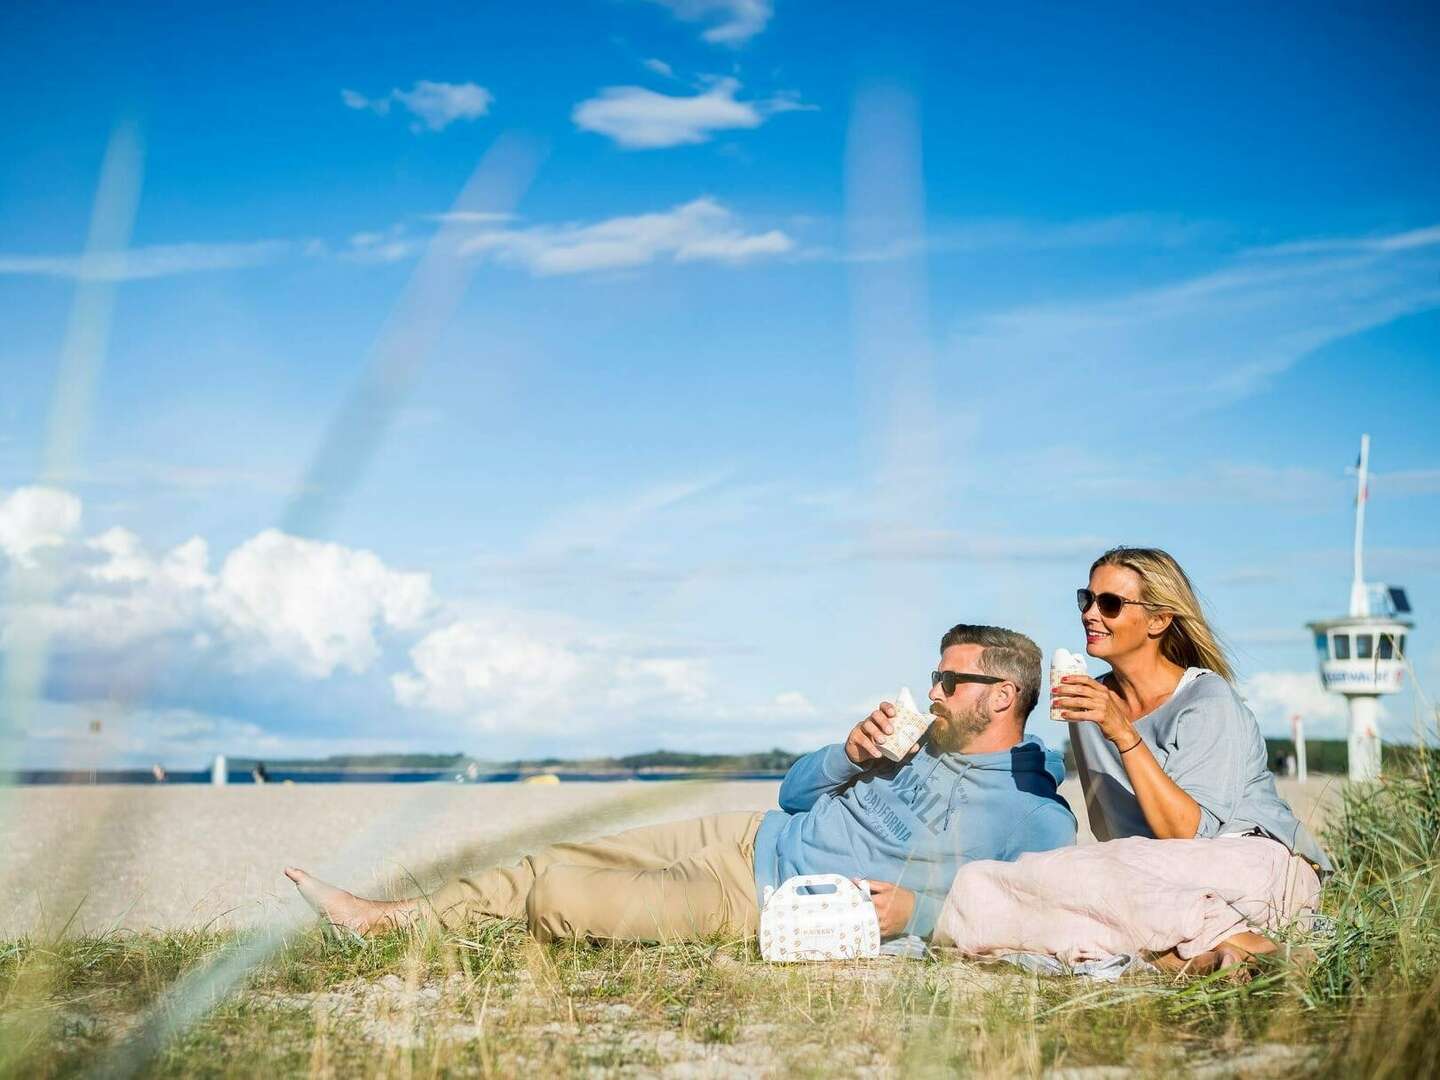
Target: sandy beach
point(186, 856)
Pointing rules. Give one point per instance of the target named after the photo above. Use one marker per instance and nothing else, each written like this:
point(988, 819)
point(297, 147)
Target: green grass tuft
point(492, 1002)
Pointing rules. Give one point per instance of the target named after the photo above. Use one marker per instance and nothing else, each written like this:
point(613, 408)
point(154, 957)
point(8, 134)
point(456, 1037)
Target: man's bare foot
point(341, 908)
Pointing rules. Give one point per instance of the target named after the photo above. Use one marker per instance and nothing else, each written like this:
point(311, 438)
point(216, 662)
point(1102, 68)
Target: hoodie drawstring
point(954, 791)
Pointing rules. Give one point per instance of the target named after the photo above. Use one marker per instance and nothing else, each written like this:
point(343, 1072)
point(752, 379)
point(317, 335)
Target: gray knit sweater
point(1207, 741)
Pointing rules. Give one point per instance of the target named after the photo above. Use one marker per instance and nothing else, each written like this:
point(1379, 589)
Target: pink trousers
point(1126, 896)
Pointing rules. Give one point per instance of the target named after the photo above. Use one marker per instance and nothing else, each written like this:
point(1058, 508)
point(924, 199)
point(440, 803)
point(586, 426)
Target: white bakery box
point(818, 917)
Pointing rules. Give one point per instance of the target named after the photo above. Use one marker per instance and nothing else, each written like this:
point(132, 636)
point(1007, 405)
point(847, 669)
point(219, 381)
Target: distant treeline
point(766, 761)
point(1333, 755)
point(358, 761)
point(1322, 756)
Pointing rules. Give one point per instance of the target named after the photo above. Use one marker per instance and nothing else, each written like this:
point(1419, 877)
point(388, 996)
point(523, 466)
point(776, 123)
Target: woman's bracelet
point(1137, 742)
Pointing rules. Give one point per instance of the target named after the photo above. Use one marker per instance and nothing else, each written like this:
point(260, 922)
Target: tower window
point(1364, 646)
point(1387, 646)
point(1341, 643)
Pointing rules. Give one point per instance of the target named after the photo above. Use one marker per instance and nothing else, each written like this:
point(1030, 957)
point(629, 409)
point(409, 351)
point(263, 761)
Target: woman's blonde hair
point(1188, 641)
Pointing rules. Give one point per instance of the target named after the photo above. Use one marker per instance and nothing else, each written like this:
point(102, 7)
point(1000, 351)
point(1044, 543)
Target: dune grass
point(492, 1002)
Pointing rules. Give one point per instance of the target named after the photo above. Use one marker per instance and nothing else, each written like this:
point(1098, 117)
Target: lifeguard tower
point(1363, 654)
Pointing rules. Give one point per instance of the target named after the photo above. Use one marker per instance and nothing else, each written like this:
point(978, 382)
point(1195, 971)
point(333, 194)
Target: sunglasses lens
point(1083, 599)
point(1110, 605)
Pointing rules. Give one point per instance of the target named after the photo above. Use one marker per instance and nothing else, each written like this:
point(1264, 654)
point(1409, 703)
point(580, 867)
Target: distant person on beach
point(974, 787)
point(1167, 751)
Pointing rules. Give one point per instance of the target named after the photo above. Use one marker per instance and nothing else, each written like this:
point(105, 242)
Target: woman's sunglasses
point(1109, 603)
point(948, 680)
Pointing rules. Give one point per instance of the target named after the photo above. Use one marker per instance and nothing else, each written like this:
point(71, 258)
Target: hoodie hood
point(1029, 755)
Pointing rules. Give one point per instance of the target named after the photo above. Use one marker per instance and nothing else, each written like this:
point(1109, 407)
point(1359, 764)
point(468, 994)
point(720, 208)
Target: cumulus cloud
point(159, 642)
point(435, 105)
point(540, 676)
point(36, 517)
point(699, 231)
point(277, 601)
point(641, 119)
point(314, 605)
point(1276, 696)
point(732, 22)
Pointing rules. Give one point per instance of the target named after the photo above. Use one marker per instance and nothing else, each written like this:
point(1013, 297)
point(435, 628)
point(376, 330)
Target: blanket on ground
point(1124, 897)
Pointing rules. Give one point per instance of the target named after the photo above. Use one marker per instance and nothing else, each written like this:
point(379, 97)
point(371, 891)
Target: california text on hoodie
point(913, 822)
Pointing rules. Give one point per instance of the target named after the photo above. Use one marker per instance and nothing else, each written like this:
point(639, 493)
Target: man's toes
point(295, 874)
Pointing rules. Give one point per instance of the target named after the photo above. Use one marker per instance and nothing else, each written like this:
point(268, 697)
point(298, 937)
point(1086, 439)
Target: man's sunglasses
point(948, 680)
point(1109, 603)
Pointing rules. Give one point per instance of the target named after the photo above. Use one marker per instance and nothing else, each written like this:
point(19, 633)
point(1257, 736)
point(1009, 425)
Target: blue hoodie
point(913, 822)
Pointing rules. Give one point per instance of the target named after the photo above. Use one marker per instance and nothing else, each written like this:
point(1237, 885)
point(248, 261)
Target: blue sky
point(674, 372)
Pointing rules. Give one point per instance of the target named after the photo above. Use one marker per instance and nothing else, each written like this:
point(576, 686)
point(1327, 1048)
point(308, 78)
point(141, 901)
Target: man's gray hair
point(1008, 653)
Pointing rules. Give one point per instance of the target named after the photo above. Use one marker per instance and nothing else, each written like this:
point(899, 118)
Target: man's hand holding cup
point(862, 746)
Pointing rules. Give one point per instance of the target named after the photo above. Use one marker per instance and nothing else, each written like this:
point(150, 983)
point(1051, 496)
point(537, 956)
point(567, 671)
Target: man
point(973, 788)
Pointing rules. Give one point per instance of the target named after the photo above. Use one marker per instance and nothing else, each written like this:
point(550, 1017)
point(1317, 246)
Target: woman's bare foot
point(1235, 955)
point(341, 908)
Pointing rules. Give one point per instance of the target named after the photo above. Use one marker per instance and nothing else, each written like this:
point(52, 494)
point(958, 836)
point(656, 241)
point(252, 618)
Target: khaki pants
point(673, 882)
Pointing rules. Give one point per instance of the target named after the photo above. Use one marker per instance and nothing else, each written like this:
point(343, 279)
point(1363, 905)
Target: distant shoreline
point(238, 777)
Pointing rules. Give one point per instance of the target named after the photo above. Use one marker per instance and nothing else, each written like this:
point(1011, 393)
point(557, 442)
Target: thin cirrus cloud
point(156, 261)
point(1225, 333)
point(435, 105)
point(1411, 239)
point(641, 119)
point(702, 230)
point(730, 22)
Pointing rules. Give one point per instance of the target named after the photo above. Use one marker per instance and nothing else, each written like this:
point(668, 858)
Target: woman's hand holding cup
point(1079, 698)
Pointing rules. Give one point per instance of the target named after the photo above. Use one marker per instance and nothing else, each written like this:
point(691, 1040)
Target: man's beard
point(951, 731)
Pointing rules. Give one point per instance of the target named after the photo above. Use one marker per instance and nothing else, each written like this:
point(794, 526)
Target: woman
point(1167, 750)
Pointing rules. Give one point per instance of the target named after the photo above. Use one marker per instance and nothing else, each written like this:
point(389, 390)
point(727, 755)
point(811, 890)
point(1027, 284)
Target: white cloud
point(525, 676)
point(1198, 343)
point(659, 67)
point(60, 733)
point(699, 231)
point(160, 260)
point(280, 602)
point(315, 605)
point(435, 105)
point(734, 22)
point(283, 610)
point(390, 245)
point(1275, 696)
point(1407, 482)
point(641, 119)
point(1140, 231)
point(792, 703)
point(36, 517)
point(1411, 239)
